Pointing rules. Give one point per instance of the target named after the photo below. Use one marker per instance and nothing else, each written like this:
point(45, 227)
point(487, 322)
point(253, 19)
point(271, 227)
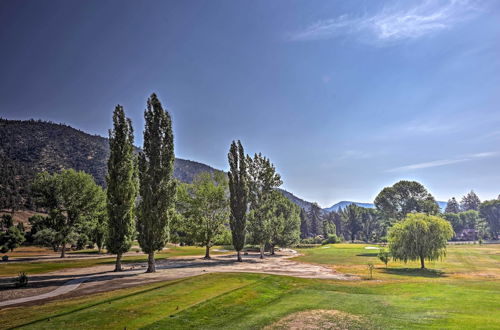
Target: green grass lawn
point(38, 267)
point(462, 292)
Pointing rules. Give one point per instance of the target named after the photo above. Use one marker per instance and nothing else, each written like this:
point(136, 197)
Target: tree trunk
point(262, 251)
point(151, 263)
point(422, 263)
point(63, 250)
point(207, 252)
point(272, 249)
point(99, 249)
point(118, 265)
point(239, 256)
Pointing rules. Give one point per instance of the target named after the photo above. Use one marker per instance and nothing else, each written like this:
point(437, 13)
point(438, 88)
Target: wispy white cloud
point(391, 24)
point(442, 162)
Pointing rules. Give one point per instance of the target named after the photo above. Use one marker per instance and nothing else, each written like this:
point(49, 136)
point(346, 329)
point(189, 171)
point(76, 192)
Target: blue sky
point(345, 97)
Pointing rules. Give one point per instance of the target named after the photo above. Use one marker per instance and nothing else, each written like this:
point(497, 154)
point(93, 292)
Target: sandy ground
point(82, 281)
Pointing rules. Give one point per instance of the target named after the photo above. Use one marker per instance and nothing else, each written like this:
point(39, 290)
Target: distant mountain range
point(342, 205)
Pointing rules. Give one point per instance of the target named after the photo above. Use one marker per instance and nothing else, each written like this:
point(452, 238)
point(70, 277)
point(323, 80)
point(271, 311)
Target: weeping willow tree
point(419, 237)
point(157, 186)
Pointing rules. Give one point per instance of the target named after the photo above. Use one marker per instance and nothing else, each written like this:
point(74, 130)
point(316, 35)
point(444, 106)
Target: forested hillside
point(31, 146)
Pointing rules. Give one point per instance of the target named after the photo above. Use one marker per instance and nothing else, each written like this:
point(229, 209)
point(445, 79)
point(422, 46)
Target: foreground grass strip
point(142, 307)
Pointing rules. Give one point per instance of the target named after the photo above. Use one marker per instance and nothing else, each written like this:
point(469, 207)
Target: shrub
point(384, 256)
point(5, 258)
point(332, 239)
point(21, 280)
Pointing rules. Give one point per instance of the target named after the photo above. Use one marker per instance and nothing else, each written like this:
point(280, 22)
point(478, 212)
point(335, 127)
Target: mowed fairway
point(462, 291)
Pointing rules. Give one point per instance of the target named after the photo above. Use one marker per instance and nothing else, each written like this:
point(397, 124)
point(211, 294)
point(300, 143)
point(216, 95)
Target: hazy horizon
point(345, 98)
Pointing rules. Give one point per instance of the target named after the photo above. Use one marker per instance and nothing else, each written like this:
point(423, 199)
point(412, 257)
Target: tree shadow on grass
point(417, 272)
point(367, 255)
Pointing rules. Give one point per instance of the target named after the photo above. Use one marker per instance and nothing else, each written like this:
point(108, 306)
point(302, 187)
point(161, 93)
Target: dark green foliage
point(371, 225)
point(6, 221)
point(419, 237)
point(285, 222)
point(22, 280)
point(157, 186)
point(73, 200)
point(470, 202)
point(238, 192)
point(315, 216)
point(122, 188)
point(490, 211)
point(304, 224)
point(464, 220)
point(331, 239)
point(452, 206)
point(405, 197)
point(351, 216)
point(11, 238)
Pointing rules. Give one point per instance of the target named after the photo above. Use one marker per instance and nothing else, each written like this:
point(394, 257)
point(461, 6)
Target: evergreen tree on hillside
point(122, 186)
point(316, 220)
point(470, 202)
point(238, 189)
point(452, 206)
point(351, 216)
point(157, 186)
point(304, 224)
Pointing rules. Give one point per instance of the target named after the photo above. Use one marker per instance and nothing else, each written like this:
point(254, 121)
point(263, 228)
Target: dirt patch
point(319, 319)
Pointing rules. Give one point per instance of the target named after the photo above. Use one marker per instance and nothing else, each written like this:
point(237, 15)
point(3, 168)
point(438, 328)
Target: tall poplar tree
point(122, 186)
point(238, 189)
point(157, 186)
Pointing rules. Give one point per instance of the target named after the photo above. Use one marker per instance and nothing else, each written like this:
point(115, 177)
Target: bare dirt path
point(83, 281)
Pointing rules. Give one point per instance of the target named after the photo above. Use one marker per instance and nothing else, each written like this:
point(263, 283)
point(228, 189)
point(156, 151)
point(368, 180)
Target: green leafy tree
point(206, 208)
point(263, 179)
point(122, 188)
point(464, 220)
point(351, 216)
point(419, 237)
point(285, 223)
point(490, 211)
point(157, 185)
point(11, 238)
point(452, 206)
point(403, 198)
point(329, 227)
point(238, 195)
point(470, 202)
point(72, 198)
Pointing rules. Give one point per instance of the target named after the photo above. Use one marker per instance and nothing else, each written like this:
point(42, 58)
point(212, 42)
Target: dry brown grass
point(319, 319)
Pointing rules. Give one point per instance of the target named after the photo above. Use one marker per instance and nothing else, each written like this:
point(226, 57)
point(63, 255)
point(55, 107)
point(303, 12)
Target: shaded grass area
point(252, 301)
point(38, 267)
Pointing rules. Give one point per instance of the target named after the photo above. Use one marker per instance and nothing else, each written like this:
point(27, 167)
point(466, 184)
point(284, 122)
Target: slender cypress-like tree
point(157, 186)
point(122, 186)
point(238, 189)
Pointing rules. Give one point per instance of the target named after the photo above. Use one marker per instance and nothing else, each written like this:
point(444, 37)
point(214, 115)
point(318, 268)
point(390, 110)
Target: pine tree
point(122, 186)
point(316, 220)
point(238, 189)
point(470, 202)
point(304, 224)
point(156, 183)
point(452, 206)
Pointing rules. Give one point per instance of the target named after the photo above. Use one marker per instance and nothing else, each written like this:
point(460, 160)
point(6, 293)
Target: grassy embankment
point(462, 291)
